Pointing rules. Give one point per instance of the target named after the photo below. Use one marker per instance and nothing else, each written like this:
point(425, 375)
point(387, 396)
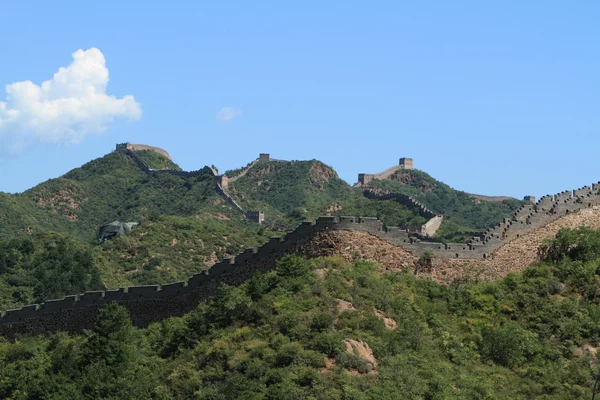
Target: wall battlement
point(129, 146)
point(427, 229)
point(220, 180)
point(404, 163)
point(147, 304)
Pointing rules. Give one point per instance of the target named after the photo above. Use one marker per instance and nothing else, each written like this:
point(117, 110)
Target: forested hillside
point(109, 188)
point(291, 192)
point(330, 329)
point(185, 226)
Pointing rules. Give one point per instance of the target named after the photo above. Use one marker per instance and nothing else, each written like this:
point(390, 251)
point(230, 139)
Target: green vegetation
point(281, 335)
point(457, 207)
point(106, 189)
point(156, 160)
point(285, 334)
point(451, 232)
point(390, 212)
point(166, 249)
point(171, 248)
point(44, 266)
point(291, 192)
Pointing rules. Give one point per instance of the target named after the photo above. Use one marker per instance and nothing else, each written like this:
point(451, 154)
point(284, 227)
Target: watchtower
point(530, 199)
point(122, 146)
point(264, 157)
point(256, 216)
point(406, 163)
point(365, 178)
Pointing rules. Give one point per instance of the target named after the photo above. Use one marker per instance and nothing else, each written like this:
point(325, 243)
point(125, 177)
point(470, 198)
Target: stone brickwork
point(222, 181)
point(404, 163)
point(427, 229)
point(147, 304)
point(256, 216)
point(129, 146)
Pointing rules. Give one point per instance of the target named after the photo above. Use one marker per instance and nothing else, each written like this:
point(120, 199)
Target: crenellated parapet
point(135, 147)
point(403, 163)
point(147, 304)
point(548, 208)
point(433, 220)
point(222, 181)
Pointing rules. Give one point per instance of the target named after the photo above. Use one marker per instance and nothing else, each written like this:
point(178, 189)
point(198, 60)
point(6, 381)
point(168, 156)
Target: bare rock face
point(390, 323)
point(344, 305)
point(513, 256)
point(352, 245)
point(589, 349)
point(585, 350)
point(362, 350)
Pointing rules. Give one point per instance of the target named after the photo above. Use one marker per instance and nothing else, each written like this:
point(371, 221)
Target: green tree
point(111, 341)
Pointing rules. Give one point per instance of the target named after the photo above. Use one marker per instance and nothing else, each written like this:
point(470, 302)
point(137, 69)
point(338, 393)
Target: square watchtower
point(122, 146)
point(406, 163)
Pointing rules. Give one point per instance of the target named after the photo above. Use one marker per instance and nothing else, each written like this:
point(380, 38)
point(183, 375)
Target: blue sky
point(494, 98)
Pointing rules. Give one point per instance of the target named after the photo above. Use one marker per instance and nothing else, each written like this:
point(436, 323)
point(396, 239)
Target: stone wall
point(147, 304)
point(427, 229)
point(220, 180)
point(134, 147)
point(228, 198)
point(430, 227)
point(404, 163)
point(244, 171)
point(146, 168)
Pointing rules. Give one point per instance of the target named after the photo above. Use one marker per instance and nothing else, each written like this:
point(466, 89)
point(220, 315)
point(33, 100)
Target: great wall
point(509, 246)
point(220, 180)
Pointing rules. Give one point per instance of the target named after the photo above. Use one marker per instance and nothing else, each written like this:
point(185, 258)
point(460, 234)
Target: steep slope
point(172, 248)
point(460, 209)
point(109, 188)
point(294, 189)
point(329, 329)
point(156, 160)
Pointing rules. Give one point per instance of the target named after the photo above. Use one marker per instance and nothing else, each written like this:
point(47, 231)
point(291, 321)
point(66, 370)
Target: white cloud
point(228, 113)
point(63, 109)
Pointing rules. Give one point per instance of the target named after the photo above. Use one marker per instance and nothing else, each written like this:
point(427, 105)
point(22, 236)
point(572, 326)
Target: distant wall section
point(148, 304)
point(404, 163)
point(129, 146)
